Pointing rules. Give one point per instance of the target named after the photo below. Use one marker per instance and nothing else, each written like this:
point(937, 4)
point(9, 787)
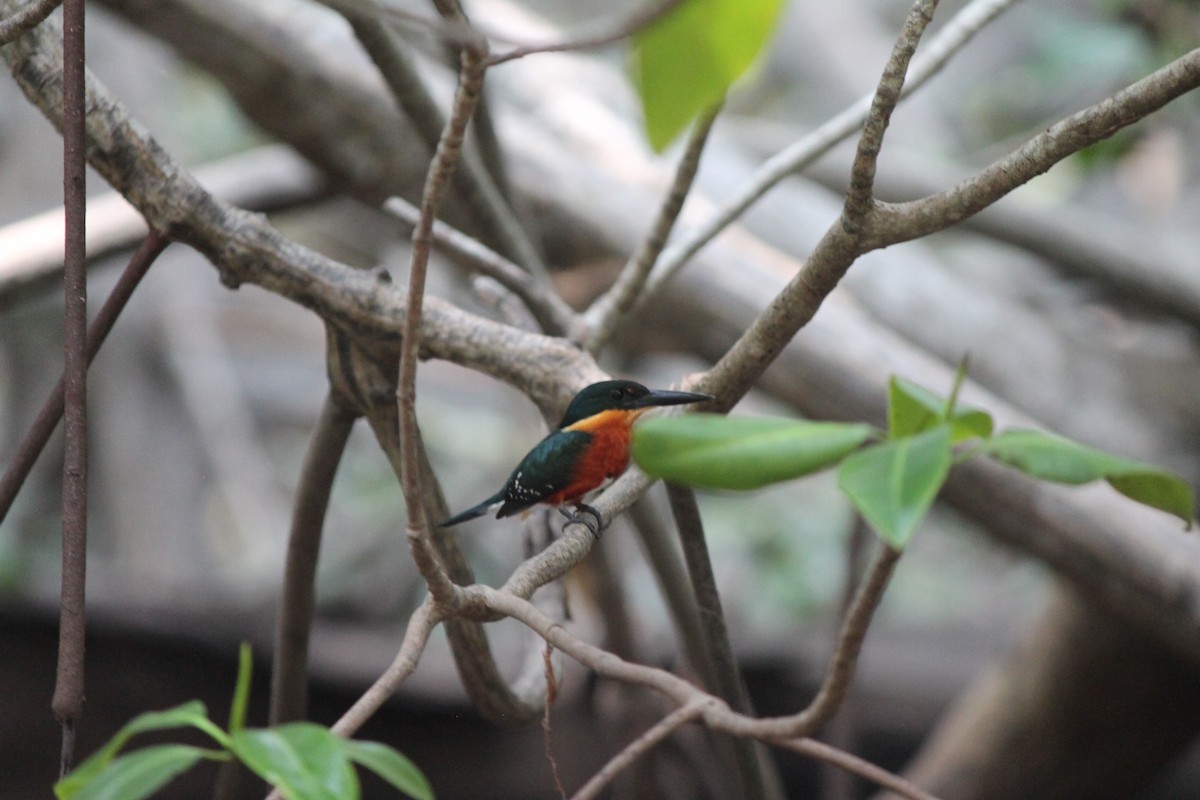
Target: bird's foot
point(595, 525)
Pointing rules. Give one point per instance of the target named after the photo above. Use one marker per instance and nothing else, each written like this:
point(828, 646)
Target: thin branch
point(796, 157)
point(639, 19)
point(854, 765)
point(436, 185)
point(605, 314)
point(554, 315)
point(714, 713)
point(472, 180)
point(860, 195)
point(297, 602)
point(27, 18)
point(639, 747)
point(758, 778)
point(416, 636)
point(67, 702)
point(840, 672)
point(892, 223)
point(52, 409)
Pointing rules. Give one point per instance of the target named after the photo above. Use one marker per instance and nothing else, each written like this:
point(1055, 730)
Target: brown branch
point(639, 747)
point(606, 313)
point(756, 770)
point(416, 636)
point(67, 702)
point(840, 672)
point(889, 224)
point(52, 409)
point(935, 53)
point(714, 713)
point(289, 671)
point(860, 195)
point(471, 180)
point(552, 314)
point(445, 160)
point(26, 18)
point(855, 765)
point(639, 19)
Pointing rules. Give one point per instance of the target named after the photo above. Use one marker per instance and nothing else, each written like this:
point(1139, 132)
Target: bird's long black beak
point(664, 397)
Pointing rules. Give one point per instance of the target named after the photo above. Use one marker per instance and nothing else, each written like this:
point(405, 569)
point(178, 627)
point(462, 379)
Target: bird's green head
point(622, 396)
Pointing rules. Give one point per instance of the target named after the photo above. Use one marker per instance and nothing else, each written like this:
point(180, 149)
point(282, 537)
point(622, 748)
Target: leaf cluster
point(891, 477)
point(304, 760)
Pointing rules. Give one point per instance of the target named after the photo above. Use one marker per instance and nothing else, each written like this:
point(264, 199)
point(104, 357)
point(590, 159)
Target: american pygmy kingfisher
point(589, 446)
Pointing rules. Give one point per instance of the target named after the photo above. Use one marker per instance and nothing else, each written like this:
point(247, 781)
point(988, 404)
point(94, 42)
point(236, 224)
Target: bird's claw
point(594, 525)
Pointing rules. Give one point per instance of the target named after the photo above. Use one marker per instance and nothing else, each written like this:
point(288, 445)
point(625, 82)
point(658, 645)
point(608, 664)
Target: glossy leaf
point(191, 714)
point(894, 483)
point(716, 452)
point(684, 63)
point(305, 761)
point(1055, 458)
point(138, 775)
point(913, 409)
point(390, 765)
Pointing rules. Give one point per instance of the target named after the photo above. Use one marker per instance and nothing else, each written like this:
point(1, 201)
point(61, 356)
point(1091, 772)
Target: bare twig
point(416, 636)
point(714, 713)
point(289, 672)
point(28, 17)
point(639, 747)
point(605, 314)
point(471, 179)
point(67, 703)
point(52, 409)
point(436, 184)
point(639, 19)
point(759, 779)
point(854, 765)
point(794, 158)
point(840, 673)
point(902, 222)
point(555, 316)
point(860, 195)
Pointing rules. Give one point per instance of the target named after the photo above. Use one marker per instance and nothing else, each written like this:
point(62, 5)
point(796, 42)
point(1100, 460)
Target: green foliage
point(1055, 458)
point(684, 63)
point(306, 761)
point(717, 452)
point(893, 482)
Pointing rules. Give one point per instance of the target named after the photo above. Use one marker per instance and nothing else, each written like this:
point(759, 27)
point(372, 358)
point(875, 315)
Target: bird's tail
point(471, 513)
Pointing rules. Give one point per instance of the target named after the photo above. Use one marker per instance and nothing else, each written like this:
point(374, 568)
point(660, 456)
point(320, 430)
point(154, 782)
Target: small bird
point(589, 446)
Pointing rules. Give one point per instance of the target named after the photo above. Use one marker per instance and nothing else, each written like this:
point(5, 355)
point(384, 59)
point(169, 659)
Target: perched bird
point(590, 446)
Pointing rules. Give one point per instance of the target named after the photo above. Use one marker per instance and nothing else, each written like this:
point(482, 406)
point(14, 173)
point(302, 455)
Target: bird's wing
point(549, 468)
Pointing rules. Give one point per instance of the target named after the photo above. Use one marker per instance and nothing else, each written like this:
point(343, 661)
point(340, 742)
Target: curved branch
point(934, 55)
point(888, 224)
point(26, 18)
point(289, 670)
point(860, 195)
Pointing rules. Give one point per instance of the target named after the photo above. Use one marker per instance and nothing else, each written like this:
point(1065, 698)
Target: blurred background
point(203, 400)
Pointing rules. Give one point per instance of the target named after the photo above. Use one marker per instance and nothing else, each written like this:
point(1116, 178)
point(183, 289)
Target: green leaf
point(684, 63)
point(305, 761)
point(894, 483)
point(191, 714)
point(137, 775)
point(390, 765)
point(241, 689)
point(1055, 458)
point(913, 409)
point(716, 452)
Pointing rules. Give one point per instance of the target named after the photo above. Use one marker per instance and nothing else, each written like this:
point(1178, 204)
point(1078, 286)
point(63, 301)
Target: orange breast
point(607, 457)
